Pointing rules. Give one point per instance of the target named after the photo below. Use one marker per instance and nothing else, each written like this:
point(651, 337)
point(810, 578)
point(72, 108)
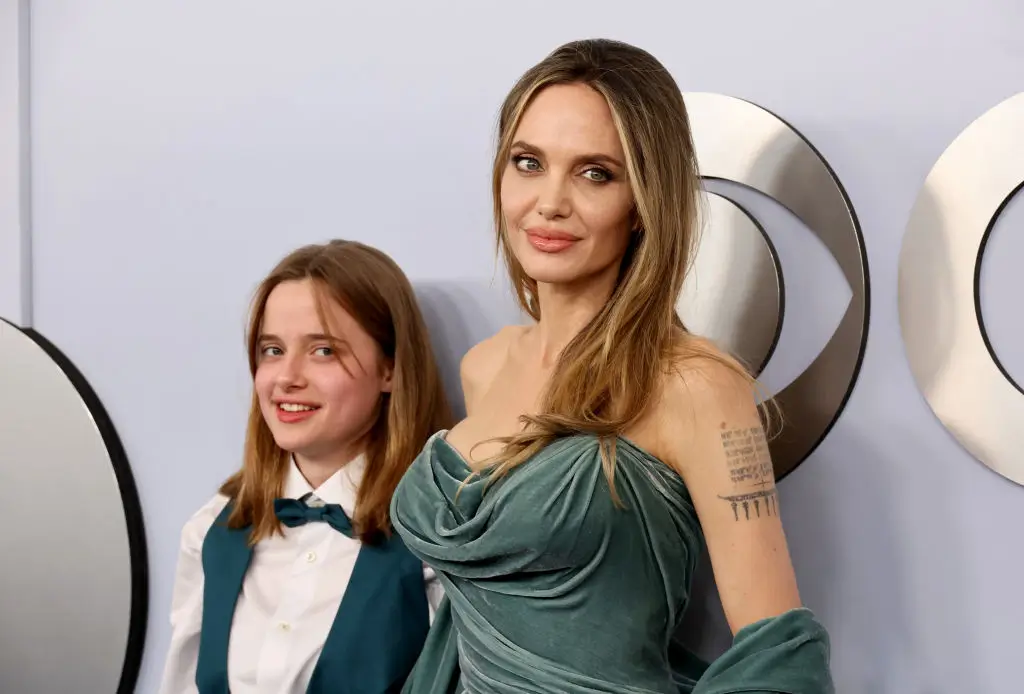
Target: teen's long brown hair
point(605, 375)
point(371, 287)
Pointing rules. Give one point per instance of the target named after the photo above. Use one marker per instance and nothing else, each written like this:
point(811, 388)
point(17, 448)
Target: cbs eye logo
point(740, 300)
point(737, 297)
point(58, 436)
point(943, 329)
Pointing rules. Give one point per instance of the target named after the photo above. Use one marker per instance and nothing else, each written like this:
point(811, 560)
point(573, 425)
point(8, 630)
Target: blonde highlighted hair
point(369, 286)
point(606, 374)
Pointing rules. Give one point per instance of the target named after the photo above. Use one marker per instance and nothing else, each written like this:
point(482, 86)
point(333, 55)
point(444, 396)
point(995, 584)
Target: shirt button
point(284, 626)
point(310, 557)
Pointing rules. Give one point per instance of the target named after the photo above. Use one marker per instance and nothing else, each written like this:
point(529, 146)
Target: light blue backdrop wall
point(179, 148)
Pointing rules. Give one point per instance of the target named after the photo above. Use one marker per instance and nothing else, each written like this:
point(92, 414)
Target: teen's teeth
point(293, 407)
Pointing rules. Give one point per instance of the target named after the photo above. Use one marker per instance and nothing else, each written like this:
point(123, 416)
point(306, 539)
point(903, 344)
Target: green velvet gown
point(552, 588)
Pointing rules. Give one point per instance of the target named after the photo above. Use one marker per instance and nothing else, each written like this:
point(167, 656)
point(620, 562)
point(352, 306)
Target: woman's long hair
point(377, 294)
point(604, 377)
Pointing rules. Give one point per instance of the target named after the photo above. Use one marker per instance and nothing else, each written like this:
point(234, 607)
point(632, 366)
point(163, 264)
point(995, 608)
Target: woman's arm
point(186, 616)
point(710, 431)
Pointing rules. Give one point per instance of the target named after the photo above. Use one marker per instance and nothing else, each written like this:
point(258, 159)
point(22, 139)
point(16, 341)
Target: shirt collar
point(340, 488)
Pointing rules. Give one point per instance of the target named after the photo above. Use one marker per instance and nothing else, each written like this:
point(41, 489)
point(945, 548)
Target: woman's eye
point(324, 352)
point(271, 351)
point(527, 164)
point(597, 175)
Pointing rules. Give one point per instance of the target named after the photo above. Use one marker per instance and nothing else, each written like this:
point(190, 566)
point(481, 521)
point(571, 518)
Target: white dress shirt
point(290, 595)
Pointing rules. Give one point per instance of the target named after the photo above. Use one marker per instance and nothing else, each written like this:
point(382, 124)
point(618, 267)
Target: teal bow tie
point(293, 513)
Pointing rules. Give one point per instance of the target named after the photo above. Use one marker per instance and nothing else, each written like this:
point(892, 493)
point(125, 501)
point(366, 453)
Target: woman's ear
point(635, 223)
point(388, 376)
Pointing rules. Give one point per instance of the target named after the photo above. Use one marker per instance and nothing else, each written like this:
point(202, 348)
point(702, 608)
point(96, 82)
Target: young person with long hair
point(604, 444)
point(290, 579)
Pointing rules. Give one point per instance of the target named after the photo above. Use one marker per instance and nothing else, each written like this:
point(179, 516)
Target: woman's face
point(319, 387)
point(567, 204)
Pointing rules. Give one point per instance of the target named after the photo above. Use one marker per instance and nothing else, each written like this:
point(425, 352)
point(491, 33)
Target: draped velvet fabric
point(552, 588)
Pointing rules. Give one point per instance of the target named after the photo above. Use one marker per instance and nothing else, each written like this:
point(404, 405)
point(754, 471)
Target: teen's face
point(564, 195)
point(319, 387)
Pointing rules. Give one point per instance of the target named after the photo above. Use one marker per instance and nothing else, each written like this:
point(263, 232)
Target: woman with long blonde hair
point(290, 579)
point(604, 444)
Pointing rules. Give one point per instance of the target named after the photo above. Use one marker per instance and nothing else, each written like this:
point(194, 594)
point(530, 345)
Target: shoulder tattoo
point(750, 473)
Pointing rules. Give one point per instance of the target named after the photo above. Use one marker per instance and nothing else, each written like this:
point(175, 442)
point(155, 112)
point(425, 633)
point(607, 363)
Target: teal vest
point(377, 633)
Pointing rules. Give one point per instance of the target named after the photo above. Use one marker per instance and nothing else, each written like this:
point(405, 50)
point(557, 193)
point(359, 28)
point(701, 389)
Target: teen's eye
point(324, 352)
point(270, 351)
point(597, 175)
point(526, 164)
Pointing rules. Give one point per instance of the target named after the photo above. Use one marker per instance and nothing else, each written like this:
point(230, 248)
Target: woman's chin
point(550, 269)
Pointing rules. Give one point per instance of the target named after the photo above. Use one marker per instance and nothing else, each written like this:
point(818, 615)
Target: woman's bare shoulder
point(700, 373)
point(484, 360)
